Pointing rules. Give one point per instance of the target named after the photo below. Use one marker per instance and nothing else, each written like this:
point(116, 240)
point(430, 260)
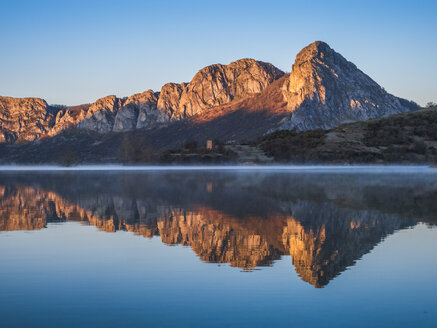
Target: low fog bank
point(290, 168)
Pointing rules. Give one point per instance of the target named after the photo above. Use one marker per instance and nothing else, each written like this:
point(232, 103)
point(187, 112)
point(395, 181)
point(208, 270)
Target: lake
point(219, 247)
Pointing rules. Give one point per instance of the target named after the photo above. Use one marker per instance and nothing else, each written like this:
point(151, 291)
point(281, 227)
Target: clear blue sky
point(73, 52)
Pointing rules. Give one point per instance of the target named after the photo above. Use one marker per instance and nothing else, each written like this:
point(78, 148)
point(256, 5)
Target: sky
point(74, 52)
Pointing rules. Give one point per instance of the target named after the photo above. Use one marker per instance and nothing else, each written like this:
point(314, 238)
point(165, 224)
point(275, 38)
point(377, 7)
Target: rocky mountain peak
point(324, 90)
point(216, 85)
point(317, 49)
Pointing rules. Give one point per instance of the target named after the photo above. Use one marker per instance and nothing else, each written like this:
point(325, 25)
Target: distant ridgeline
point(232, 103)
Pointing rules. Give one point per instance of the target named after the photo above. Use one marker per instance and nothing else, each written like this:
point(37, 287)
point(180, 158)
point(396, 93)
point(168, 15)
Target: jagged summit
point(324, 90)
point(316, 49)
point(216, 85)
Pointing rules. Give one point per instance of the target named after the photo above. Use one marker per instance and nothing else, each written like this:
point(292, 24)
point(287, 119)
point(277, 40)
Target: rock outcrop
point(325, 90)
point(100, 117)
point(69, 117)
point(216, 85)
point(139, 111)
point(112, 114)
point(24, 119)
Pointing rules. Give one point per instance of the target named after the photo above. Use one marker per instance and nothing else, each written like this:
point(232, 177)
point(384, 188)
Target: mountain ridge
point(233, 103)
point(214, 85)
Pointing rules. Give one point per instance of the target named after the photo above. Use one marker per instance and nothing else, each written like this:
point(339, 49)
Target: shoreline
point(252, 168)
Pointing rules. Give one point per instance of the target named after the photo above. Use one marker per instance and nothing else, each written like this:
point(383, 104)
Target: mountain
point(30, 119)
point(233, 103)
point(324, 90)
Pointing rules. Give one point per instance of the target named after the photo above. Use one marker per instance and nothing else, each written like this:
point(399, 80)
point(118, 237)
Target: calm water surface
point(158, 248)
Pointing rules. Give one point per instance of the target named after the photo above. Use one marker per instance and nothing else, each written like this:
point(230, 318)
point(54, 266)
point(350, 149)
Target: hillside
point(403, 138)
point(408, 138)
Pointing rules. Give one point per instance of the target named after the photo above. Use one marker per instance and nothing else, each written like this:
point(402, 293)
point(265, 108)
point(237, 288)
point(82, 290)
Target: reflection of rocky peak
point(324, 239)
point(324, 90)
point(214, 239)
point(25, 208)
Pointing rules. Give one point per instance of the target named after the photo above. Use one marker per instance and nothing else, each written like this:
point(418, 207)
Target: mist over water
point(247, 246)
point(388, 169)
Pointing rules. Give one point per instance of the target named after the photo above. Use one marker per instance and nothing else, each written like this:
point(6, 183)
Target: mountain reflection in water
point(324, 221)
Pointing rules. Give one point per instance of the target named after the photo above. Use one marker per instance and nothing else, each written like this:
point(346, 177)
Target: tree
point(430, 104)
point(135, 148)
point(68, 157)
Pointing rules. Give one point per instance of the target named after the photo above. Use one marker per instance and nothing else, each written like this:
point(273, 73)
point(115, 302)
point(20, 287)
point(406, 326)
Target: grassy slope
point(403, 138)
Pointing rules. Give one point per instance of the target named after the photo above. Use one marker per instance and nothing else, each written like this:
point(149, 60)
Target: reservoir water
point(219, 247)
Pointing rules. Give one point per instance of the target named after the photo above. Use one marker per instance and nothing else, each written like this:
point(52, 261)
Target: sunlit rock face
point(68, 117)
point(216, 85)
point(111, 114)
point(24, 119)
point(139, 111)
point(324, 90)
point(100, 116)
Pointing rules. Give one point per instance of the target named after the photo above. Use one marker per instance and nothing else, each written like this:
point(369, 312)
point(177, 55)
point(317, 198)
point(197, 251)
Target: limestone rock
point(100, 116)
point(216, 85)
point(138, 111)
point(69, 117)
point(24, 119)
point(325, 90)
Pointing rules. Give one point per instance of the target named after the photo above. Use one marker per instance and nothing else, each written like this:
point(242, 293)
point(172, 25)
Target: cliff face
point(24, 119)
point(138, 112)
point(217, 85)
point(324, 90)
point(111, 114)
